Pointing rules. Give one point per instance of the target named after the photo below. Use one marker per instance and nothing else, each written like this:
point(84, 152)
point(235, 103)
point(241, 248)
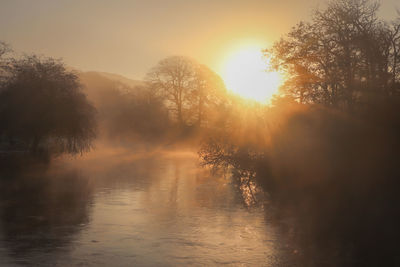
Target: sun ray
point(245, 73)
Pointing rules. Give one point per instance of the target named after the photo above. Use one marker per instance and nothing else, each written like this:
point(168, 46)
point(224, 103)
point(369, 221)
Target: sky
point(128, 37)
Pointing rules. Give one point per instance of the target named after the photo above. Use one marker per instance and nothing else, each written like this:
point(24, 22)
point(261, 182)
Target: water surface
point(121, 209)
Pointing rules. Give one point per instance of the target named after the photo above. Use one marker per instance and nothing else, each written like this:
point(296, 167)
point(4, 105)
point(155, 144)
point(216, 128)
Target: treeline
point(345, 58)
point(326, 151)
point(48, 109)
point(178, 102)
point(125, 112)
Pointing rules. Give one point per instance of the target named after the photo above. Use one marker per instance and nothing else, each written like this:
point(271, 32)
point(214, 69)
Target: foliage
point(43, 108)
point(326, 151)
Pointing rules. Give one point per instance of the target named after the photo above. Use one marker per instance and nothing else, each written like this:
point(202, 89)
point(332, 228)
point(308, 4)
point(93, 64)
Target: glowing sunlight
point(213, 132)
point(245, 73)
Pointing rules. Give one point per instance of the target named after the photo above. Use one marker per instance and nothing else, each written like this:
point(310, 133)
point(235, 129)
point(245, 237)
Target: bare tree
point(190, 89)
point(345, 56)
point(173, 78)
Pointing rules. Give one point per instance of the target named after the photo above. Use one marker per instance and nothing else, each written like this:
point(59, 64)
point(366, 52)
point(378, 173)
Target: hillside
point(101, 87)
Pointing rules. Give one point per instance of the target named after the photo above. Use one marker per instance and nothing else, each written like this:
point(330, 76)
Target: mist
point(177, 168)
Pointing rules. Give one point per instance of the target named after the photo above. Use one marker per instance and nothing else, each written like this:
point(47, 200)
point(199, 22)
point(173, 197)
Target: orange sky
point(128, 37)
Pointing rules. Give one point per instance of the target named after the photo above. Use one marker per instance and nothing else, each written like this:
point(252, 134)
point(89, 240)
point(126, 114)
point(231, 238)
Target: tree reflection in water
point(132, 210)
point(42, 211)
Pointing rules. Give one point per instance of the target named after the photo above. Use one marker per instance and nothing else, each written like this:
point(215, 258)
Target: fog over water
point(163, 137)
point(152, 209)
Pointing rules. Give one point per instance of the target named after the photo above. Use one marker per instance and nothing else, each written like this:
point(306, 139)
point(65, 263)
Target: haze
point(180, 133)
point(129, 37)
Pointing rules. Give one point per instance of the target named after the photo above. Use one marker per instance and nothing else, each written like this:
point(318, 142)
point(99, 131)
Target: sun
point(245, 73)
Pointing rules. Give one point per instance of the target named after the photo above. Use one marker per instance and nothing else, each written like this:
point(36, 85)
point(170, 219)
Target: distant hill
point(102, 87)
point(122, 79)
point(104, 78)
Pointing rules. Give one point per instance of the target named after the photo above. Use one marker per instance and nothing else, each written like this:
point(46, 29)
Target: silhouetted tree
point(190, 89)
point(173, 78)
point(208, 93)
point(42, 107)
point(343, 57)
point(333, 172)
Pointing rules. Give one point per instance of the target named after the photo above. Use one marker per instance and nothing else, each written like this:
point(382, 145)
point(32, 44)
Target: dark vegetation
point(42, 108)
point(326, 152)
point(48, 110)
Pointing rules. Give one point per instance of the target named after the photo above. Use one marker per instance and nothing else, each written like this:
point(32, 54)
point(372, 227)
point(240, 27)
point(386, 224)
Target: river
point(123, 209)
